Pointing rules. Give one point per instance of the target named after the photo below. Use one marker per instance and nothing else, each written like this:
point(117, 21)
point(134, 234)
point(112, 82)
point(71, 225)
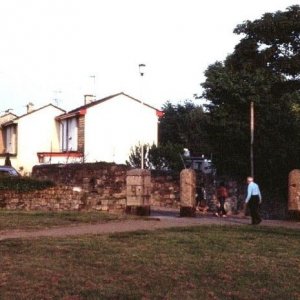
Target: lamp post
point(142, 72)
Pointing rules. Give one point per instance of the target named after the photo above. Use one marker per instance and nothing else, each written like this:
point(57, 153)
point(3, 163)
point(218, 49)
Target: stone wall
point(98, 186)
point(60, 198)
point(92, 177)
point(89, 186)
point(165, 189)
point(102, 186)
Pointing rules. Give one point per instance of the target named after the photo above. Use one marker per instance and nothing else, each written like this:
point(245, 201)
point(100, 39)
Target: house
point(24, 136)
point(104, 130)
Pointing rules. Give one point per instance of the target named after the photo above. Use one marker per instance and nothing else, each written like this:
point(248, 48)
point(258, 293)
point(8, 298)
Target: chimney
point(30, 107)
point(88, 99)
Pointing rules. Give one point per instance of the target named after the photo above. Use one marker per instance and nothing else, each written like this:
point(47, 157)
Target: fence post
point(138, 192)
point(187, 193)
point(294, 194)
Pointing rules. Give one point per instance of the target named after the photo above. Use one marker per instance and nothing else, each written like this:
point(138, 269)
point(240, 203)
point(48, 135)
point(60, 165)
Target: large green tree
point(263, 69)
point(185, 124)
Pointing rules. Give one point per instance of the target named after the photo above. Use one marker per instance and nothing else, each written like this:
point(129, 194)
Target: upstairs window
point(10, 139)
point(69, 134)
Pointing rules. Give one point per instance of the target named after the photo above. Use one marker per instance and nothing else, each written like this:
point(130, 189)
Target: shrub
point(24, 184)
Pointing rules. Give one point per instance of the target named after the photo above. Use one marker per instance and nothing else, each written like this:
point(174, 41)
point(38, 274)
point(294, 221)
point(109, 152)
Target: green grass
point(37, 219)
point(206, 262)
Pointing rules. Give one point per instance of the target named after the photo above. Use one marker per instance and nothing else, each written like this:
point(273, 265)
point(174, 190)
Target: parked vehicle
point(200, 164)
point(6, 171)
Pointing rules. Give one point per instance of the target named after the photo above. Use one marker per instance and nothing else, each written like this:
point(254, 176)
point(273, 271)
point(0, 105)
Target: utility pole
point(252, 137)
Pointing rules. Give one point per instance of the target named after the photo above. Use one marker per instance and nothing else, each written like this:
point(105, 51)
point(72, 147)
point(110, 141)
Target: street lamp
point(141, 69)
point(142, 72)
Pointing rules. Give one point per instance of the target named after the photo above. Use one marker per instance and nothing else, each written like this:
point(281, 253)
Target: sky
point(57, 51)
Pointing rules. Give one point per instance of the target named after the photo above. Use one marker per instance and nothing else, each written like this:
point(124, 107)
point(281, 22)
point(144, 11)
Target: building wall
point(2, 147)
point(36, 132)
point(81, 133)
point(116, 125)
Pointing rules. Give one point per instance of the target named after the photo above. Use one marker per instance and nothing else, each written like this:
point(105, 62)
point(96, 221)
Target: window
point(10, 139)
point(69, 134)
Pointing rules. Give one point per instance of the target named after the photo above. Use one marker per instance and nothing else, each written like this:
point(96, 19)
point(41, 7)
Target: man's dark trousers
point(254, 207)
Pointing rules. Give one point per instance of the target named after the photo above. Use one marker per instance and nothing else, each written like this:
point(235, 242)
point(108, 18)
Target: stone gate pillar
point(138, 191)
point(188, 193)
point(294, 193)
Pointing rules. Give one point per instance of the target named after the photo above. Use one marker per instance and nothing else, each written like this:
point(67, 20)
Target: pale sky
point(50, 48)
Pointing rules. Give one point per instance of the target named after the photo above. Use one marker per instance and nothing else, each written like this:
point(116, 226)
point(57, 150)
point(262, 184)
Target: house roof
point(31, 112)
point(7, 117)
point(8, 114)
point(80, 109)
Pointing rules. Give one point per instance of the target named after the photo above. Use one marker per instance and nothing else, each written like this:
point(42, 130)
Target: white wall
point(37, 132)
point(116, 125)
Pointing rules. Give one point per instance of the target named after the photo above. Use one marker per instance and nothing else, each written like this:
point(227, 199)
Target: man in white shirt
point(253, 200)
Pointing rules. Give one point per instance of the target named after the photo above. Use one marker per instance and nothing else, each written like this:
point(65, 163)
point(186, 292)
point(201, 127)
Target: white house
point(104, 130)
point(23, 137)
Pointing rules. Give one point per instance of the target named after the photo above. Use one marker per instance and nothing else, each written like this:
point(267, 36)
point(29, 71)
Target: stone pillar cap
point(138, 172)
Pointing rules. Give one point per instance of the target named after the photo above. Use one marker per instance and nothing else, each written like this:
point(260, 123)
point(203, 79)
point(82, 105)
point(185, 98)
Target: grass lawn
point(37, 219)
point(206, 262)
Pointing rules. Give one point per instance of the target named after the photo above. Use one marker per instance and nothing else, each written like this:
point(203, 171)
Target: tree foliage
point(162, 157)
point(272, 42)
point(265, 69)
point(185, 125)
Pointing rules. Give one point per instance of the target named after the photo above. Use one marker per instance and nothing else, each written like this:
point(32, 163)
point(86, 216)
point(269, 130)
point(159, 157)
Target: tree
point(272, 42)
point(263, 69)
point(162, 157)
point(184, 125)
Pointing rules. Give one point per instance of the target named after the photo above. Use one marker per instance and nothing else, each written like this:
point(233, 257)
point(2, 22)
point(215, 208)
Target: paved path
point(160, 218)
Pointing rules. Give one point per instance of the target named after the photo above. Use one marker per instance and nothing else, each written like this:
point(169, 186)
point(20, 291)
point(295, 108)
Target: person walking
point(222, 194)
point(253, 200)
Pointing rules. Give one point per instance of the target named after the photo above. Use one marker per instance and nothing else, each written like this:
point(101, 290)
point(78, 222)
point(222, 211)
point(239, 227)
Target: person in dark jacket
point(222, 194)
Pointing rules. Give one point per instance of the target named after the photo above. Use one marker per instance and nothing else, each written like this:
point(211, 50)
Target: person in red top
point(222, 194)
